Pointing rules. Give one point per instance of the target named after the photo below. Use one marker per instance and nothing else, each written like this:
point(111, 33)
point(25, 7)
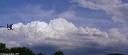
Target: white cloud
point(58, 32)
point(115, 7)
point(67, 15)
point(116, 35)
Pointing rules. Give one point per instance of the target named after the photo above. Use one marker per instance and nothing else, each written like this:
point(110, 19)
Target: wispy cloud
point(27, 13)
point(115, 7)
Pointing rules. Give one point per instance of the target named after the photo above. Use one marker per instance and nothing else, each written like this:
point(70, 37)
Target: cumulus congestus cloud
point(60, 33)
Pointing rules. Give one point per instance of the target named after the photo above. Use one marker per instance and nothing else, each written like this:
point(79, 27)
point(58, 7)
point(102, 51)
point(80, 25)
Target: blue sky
point(11, 8)
point(77, 27)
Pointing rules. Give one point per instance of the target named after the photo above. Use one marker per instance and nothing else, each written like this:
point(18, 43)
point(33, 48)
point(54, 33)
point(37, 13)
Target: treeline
point(27, 51)
point(22, 50)
point(115, 54)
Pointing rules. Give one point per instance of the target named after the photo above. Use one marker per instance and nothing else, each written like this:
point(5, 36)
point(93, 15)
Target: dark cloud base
point(48, 50)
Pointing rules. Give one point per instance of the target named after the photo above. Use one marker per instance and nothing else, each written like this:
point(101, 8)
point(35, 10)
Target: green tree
point(40, 54)
point(115, 54)
point(22, 51)
point(6, 50)
point(2, 47)
point(58, 53)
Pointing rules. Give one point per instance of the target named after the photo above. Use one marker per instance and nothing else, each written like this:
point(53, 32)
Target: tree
point(115, 54)
point(22, 51)
point(6, 50)
point(58, 53)
point(2, 47)
point(40, 54)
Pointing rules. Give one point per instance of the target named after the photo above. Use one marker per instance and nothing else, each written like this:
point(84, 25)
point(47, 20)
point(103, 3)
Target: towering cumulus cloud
point(60, 33)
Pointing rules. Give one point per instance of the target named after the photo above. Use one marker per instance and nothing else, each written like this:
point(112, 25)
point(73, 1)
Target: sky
point(76, 27)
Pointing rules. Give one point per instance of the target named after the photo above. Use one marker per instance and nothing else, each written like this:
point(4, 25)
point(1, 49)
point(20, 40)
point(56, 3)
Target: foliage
point(20, 50)
point(58, 53)
point(115, 54)
point(40, 54)
point(2, 47)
